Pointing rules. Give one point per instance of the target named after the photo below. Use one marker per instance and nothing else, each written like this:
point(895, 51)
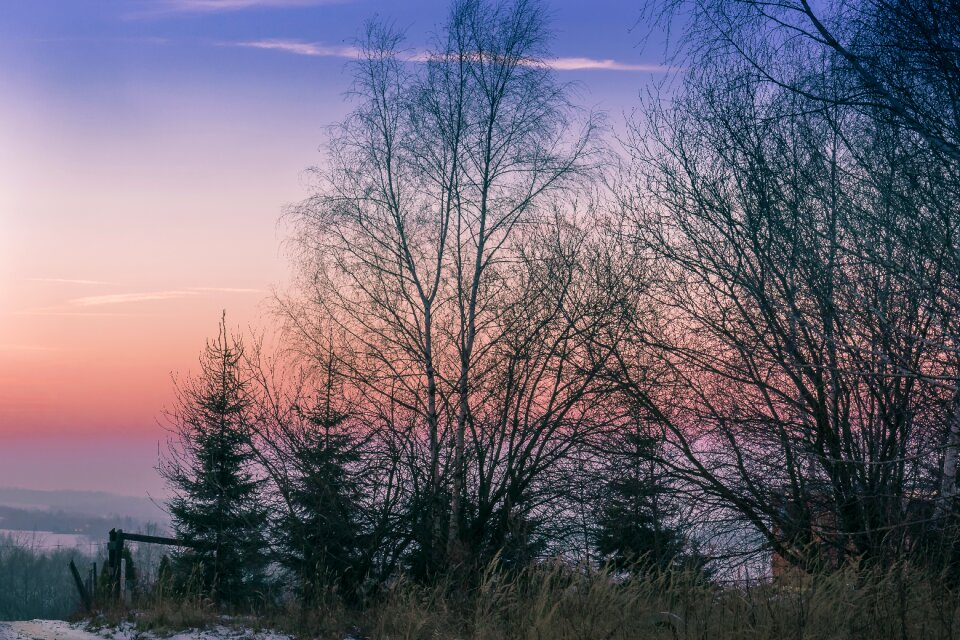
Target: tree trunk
point(951, 456)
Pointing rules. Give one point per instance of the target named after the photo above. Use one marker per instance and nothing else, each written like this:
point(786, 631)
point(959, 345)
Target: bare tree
point(405, 250)
point(792, 350)
point(892, 66)
point(899, 60)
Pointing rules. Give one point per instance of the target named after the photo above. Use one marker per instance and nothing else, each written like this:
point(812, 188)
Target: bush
point(35, 582)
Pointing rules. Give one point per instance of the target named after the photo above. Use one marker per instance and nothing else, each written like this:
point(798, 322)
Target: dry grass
point(558, 604)
point(162, 616)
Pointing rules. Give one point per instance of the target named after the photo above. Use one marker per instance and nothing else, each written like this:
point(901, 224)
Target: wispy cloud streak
point(124, 298)
point(212, 6)
point(69, 281)
point(57, 312)
point(316, 49)
point(150, 296)
point(302, 48)
point(226, 290)
point(582, 64)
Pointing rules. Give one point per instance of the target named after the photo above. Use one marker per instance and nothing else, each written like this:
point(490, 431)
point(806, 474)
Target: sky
point(147, 150)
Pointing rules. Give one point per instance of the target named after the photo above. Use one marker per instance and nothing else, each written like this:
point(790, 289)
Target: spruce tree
point(216, 503)
point(319, 537)
point(634, 529)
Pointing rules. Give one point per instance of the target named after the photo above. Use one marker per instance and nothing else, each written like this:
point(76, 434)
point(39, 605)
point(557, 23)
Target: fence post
point(116, 566)
point(112, 562)
point(124, 592)
point(114, 557)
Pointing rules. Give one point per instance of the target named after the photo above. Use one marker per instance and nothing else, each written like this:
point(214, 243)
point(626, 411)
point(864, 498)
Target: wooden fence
point(116, 567)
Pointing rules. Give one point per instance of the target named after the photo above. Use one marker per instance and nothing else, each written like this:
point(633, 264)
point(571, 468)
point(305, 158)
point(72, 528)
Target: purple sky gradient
point(147, 148)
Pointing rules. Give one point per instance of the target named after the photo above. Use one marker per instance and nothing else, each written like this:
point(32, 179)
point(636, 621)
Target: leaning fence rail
point(116, 563)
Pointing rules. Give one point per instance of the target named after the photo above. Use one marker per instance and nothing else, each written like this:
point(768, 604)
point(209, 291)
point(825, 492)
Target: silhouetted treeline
point(63, 522)
point(512, 336)
point(35, 582)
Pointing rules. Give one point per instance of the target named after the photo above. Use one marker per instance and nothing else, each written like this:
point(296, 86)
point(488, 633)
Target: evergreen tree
point(216, 493)
point(634, 529)
point(319, 536)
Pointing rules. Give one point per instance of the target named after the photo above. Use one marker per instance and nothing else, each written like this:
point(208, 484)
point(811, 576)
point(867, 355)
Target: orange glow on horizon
point(104, 375)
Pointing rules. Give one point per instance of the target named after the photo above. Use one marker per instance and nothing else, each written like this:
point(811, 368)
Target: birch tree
point(448, 157)
point(892, 66)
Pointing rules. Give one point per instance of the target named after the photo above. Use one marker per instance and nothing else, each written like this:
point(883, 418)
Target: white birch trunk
point(951, 456)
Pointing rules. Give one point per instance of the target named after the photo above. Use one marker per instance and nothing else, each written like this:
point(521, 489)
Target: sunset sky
point(147, 148)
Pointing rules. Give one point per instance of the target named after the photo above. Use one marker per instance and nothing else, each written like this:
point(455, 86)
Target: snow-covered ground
point(60, 630)
point(43, 630)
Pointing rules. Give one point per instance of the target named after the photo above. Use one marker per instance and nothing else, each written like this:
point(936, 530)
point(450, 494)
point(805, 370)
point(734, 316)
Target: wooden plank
point(115, 560)
point(84, 595)
point(139, 537)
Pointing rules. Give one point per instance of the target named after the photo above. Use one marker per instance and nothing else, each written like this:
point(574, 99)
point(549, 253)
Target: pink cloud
point(579, 64)
point(316, 49)
point(302, 48)
point(122, 298)
point(69, 281)
point(209, 6)
point(147, 296)
point(226, 290)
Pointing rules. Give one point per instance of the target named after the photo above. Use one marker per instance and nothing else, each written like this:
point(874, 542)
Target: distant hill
point(90, 512)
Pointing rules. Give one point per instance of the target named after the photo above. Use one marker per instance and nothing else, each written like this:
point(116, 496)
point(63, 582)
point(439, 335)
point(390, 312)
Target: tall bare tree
point(803, 359)
point(405, 249)
point(893, 67)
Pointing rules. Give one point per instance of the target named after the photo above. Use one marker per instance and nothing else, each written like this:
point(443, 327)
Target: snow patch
point(60, 630)
point(128, 631)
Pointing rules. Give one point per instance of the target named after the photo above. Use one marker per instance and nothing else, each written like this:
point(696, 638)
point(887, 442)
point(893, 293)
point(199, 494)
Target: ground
point(60, 630)
point(43, 630)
